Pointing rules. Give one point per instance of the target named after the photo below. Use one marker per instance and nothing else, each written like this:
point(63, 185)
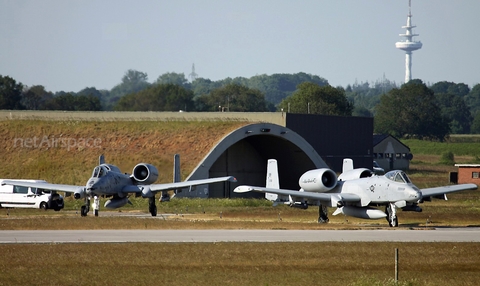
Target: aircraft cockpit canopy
point(398, 176)
point(99, 171)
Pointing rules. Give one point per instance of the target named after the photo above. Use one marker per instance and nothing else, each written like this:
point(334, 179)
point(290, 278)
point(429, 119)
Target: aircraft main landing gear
point(391, 215)
point(322, 214)
point(152, 208)
point(85, 208)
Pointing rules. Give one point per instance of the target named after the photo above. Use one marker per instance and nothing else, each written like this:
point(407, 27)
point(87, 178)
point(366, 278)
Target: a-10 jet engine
point(145, 174)
point(142, 174)
point(319, 180)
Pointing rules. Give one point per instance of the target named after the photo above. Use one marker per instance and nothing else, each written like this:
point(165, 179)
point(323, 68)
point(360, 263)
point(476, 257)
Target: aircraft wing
point(306, 195)
point(431, 192)
point(45, 186)
point(186, 184)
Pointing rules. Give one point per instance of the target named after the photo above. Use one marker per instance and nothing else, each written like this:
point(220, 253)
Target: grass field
point(240, 264)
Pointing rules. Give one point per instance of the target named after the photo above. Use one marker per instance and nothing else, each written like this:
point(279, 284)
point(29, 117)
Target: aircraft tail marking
point(272, 180)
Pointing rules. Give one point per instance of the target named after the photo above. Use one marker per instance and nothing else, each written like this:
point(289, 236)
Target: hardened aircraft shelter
point(244, 153)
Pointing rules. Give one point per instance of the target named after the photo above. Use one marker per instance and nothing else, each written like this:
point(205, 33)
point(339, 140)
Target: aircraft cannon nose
point(417, 195)
point(93, 186)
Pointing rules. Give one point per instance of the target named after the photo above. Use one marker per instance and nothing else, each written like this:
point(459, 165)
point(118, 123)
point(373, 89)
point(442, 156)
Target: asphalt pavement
point(467, 234)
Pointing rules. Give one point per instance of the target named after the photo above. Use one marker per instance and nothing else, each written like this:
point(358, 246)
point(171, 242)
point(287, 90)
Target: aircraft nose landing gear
point(391, 215)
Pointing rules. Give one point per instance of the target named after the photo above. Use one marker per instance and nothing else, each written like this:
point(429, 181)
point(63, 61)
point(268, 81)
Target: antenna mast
point(193, 76)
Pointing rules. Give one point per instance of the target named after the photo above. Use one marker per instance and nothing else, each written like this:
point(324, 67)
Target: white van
point(25, 197)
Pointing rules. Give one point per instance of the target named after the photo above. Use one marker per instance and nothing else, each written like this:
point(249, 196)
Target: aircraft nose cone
point(91, 186)
point(418, 195)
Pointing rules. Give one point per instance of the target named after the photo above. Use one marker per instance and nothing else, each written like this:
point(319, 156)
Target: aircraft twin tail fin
point(347, 165)
point(272, 179)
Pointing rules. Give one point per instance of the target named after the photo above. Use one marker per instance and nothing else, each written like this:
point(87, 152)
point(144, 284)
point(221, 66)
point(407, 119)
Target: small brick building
point(468, 173)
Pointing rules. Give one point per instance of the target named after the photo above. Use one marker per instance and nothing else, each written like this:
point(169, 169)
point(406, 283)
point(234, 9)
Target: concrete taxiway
point(118, 236)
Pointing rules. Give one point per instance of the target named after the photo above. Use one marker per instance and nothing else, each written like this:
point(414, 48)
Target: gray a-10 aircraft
point(108, 181)
point(355, 192)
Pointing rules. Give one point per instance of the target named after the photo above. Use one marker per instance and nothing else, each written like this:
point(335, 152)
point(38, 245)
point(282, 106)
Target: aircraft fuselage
point(110, 184)
point(379, 190)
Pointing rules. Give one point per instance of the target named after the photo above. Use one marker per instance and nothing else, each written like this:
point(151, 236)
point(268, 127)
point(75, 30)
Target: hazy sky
point(72, 44)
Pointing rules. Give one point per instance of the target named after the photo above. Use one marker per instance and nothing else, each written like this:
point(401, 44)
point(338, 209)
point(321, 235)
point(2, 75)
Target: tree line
point(403, 110)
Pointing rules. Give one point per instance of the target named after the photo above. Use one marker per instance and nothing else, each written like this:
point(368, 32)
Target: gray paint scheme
point(244, 153)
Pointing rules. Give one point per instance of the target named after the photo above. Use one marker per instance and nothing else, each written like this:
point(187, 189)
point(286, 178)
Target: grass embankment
point(65, 152)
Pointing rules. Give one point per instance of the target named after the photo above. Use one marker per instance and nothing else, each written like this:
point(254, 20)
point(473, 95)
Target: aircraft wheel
point(83, 211)
point(393, 222)
point(322, 220)
point(153, 211)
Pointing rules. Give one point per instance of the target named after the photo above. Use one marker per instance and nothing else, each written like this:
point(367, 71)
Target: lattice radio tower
point(193, 76)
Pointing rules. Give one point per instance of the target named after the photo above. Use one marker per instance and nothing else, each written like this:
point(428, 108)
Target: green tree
point(173, 78)
point(475, 128)
point(275, 87)
point(71, 102)
point(366, 96)
point(35, 97)
point(232, 97)
point(411, 111)
point(459, 89)
point(65, 101)
point(132, 82)
point(10, 93)
point(361, 111)
point(473, 99)
point(454, 108)
point(102, 95)
point(315, 99)
point(161, 97)
point(88, 102)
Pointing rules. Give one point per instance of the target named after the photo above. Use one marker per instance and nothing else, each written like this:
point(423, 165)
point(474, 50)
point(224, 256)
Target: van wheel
point(43, 206)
